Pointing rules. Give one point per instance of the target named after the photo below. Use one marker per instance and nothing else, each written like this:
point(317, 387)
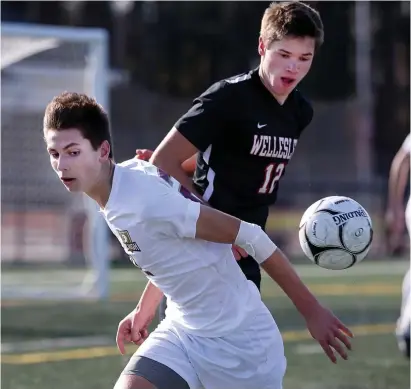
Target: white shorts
point(408, 217)
point(404, 321)
point(248, 358)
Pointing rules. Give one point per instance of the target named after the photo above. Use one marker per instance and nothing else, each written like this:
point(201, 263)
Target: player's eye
point(284, 55)
point(74, 153)
point(304, 59)
point(54, 155)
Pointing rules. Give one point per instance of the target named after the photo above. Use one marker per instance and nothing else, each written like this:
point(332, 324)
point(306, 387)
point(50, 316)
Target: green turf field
point(71, 345)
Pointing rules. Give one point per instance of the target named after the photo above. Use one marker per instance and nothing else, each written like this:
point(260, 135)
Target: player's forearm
point(403, 177)
point(216, 226)
point(150, 299)
point(398, 179)
point(278, 267)
point(392, 188)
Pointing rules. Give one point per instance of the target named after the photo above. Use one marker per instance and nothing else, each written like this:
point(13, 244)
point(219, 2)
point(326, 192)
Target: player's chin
point(73, 186)
point(73, 190)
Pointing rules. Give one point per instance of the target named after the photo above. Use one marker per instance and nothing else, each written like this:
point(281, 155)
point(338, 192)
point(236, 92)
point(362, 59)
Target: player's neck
point(280, 99)
point(100, 191)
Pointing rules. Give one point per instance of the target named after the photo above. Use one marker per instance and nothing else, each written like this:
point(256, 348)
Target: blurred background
point(145, 62)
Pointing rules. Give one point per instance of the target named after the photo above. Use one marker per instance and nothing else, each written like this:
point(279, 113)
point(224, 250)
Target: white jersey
point(207, 293)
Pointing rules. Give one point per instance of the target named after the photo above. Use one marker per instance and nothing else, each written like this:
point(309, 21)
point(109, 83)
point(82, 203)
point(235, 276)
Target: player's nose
point(293, 67)
point(62, 164)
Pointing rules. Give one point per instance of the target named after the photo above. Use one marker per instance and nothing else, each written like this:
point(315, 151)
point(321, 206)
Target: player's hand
point(144, 154)
point(133, 329)
point(329, 332)
point(238, 252)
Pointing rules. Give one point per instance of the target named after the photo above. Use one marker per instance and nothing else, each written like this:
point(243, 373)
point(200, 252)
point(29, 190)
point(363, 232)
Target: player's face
point(285, 63)
point(74, 160)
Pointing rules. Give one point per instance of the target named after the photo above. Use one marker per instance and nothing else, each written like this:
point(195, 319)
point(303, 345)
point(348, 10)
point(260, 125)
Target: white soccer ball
point(336, 232)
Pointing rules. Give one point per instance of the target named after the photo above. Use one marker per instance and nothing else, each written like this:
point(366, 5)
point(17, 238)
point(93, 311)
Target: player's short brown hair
point(76, 110)
point(291, 19)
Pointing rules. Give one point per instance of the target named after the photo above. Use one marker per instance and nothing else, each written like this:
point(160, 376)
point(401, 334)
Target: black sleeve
point(206, 117)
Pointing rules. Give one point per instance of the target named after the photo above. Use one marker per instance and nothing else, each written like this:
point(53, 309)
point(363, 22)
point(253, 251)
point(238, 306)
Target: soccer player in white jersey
point(217, 333)
point(396, 220)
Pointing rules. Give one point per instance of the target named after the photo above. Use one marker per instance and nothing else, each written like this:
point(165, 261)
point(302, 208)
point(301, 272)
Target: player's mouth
point(287, 81)
point(67, 181)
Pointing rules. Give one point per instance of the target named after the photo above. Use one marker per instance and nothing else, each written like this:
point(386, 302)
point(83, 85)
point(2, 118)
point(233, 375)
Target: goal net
point(53, 245)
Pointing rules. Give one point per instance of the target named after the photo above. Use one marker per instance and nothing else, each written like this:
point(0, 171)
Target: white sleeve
point(406, 146)
point(170, 214)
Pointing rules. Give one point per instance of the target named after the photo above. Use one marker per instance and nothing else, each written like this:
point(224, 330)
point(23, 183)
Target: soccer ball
point(336, 232)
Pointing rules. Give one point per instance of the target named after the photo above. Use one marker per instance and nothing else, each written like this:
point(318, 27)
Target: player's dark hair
point(291, 19)
point(76, 110)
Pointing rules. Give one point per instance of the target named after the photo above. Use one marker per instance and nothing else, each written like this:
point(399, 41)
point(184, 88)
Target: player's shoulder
point(139, 182)
point(230, 87)
point(140, 196)
point(143, 168)
point(146, 183)
point(145, 173)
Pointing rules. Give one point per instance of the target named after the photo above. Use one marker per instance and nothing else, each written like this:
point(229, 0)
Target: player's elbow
point(174, 149)
point(170, 163)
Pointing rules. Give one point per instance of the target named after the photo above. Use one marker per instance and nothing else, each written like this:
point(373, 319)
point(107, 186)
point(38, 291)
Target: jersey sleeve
point(170, 214)
point(206, 118)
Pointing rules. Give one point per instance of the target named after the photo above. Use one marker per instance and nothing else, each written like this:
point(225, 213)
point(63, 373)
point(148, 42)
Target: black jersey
point(246, 139)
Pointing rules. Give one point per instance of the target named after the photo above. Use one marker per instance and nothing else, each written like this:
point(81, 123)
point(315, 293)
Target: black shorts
point(251, 270)
point(161, 376)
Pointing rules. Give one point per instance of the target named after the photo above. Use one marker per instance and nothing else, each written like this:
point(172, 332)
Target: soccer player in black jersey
point(245, 129)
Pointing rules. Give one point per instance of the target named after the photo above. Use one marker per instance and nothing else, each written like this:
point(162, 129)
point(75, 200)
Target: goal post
point(39, 219)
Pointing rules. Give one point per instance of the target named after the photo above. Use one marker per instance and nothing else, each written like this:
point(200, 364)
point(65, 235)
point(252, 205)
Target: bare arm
point(216, 226)
point(397, 183)
point(278, 267)
point(149, 300)
point(323, 326)
point(395, 215)
point(171, 154)
point(134, 327)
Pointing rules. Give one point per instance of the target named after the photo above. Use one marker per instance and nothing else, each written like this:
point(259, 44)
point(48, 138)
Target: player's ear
point(104, 151)
point(261, 46)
